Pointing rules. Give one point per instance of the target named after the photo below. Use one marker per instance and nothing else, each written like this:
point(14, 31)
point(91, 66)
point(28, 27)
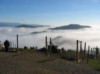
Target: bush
point(25, 47)
point(69, 55)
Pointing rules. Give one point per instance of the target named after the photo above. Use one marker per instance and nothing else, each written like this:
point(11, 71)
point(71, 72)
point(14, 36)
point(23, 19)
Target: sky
point(50, 12)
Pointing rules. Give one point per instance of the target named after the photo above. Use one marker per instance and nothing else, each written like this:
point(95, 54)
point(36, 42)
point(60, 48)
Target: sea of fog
point(62, 38)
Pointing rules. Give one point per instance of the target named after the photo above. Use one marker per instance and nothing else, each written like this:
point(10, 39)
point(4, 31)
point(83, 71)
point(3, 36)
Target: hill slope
point(30, 26)
point(4, 24)
point(19, 25)
point(26, 62)
point(70, 26)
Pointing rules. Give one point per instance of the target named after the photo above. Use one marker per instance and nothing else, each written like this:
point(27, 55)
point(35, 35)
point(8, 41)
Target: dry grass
point(30, 62)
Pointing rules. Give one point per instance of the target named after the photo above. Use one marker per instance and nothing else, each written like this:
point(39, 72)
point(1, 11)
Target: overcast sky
point(51, 12)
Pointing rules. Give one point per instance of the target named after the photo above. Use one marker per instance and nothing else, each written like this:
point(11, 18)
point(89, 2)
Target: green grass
point(95, 63)
point(69, 55)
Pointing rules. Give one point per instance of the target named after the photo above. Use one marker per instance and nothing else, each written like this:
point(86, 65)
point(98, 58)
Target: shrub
point(69, 55)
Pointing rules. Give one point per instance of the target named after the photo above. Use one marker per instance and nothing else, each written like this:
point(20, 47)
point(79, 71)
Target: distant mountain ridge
point(30, 26)
point(70, 26)
point(38, 32)
point(5, 24)
point(19, 25)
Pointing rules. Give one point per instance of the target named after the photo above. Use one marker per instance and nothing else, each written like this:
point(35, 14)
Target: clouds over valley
point(62, 38)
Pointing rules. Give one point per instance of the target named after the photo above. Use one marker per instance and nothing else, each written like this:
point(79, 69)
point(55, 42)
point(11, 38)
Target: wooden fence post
point(50, 47)
point(77, 51)
point(94, 53)
point(13, 45)
point(91, 51)
point(46, 44)
point(80, 49)
point(97, 51)
point(85, 51)
point(17, 44)
point(88, 54)
point(82, 53)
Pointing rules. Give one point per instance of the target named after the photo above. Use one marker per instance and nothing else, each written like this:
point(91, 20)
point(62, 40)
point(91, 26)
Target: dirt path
point(36, 63)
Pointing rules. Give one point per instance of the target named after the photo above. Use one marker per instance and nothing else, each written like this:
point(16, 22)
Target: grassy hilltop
point(30, 62)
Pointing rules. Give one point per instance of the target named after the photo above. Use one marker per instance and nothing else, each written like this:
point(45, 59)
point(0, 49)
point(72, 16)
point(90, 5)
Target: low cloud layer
point(62, 38)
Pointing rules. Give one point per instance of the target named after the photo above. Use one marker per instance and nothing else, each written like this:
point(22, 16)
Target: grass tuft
point(95, 63)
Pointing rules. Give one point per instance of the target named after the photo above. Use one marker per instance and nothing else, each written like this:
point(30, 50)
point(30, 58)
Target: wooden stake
point(13, 45)
point(17, 44)
point(91, 51)
point(97, 51)
point(82, 53)
point(46, 44)
point(85, 51)
point(50, 47)
point(88, 54)
point(77, 51)
point(80, 49)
